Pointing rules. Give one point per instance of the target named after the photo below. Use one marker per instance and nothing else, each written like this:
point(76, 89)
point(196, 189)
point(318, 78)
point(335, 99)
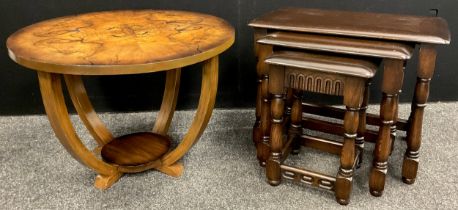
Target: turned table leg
point(295, 130)
point(56, 109)
point(426, 65)
point(392, 82)
point(353, 98)
point(262, 146)
point(276, 88)
point(359, 140)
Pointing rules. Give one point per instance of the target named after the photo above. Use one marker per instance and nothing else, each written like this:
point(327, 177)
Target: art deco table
point(117, 43)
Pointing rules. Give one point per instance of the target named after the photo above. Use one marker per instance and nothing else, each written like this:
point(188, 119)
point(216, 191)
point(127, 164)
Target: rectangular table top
point(418, 29)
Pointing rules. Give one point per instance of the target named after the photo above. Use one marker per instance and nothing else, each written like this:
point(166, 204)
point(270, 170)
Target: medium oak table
point(119, 43)
point(413, 30)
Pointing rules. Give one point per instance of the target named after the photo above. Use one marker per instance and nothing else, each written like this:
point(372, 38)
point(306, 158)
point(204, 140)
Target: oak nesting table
point(331, 26)
point(120, 43)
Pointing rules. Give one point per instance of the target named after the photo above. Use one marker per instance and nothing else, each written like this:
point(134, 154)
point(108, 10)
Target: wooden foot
point(174, 170)
point(343, 190)
point(103, 182)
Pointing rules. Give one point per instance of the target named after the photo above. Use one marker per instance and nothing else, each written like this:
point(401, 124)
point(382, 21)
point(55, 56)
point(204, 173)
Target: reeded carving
point(315, 83)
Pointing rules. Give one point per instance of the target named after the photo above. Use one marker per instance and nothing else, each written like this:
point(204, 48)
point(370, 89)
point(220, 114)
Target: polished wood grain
point(261, 131)
point(120, 42)
point(323, 63)
point(348, 32)
point(56, 109)
point(202, 115)
point(357, 24)
point(338, 113)
point(425, 73)
point(295, 128)
point(169, 102)
point(135, 149)
point(319, 74)
point(339, 44)
point(123, 42)
point(86, 112)
point(353, 98)
point(276, 90)
point(393, 76)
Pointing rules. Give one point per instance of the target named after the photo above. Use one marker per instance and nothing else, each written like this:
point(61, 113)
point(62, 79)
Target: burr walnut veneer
point(115, 43)
point(387, 36)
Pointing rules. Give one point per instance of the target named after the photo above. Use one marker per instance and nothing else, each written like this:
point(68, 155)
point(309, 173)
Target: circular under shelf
point(135, 149)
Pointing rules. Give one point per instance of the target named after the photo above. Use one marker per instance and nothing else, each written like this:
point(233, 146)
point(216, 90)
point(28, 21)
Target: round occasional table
point(117, 43)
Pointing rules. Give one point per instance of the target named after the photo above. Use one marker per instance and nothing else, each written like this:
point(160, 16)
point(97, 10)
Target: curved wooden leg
point(426, 65)
point(83, 106)
point(353, 97)
point(392, 82)
point(56, 109)
point(169, 101)
point(202, 116)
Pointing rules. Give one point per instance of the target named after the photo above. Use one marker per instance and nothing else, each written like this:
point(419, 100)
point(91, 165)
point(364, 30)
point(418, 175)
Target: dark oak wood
point(262, 136)
point(120, 42)
point(135, 149)
point(295, 126)
point(393, 74)
point(336, 44)
point(318, 143)
point(367, 34)
point(425, 73)
point(322, 63)
point(320, 74)
point(335, 128)
point(276, 89)
point(308, 177)
point(358, 24)
point(338, 113)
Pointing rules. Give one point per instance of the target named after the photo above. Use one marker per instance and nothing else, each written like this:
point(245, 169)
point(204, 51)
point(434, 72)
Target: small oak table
point(118, 43)
point(426, 32)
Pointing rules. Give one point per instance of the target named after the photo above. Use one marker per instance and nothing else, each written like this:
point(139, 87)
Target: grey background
point(19, 89)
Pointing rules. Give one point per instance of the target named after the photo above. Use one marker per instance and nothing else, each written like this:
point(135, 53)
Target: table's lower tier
point(135, 149)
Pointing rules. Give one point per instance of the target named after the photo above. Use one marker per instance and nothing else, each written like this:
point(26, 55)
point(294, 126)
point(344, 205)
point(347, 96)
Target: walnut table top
point(120, 42)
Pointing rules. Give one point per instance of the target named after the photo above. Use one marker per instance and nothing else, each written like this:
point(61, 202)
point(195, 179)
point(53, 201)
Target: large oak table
point(120, 43)
point(411, 30)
